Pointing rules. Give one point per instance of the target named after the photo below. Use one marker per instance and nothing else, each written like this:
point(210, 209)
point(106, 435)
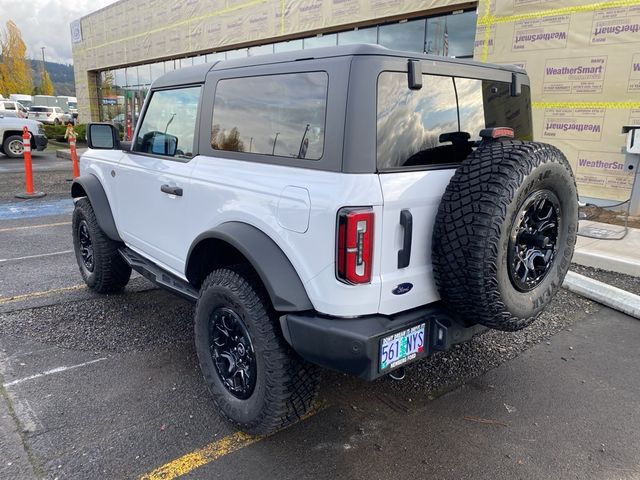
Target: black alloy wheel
point(232, 352)
point(86, 246)
point(533, 240)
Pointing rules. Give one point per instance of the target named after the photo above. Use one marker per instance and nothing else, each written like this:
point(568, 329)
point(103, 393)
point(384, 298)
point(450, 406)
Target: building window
point(405, 36)
point(320, 41)
point(288, 46)
point(261, 50)
point(451, 35)
point(281, 115)
point(363, 35)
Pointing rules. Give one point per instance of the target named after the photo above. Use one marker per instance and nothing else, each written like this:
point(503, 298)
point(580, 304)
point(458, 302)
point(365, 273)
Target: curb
point(603, 293)
point(65, 154)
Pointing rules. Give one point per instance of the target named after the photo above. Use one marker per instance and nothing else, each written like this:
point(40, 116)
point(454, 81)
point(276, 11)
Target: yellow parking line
point(13, 229)
point(202, 456)
point(215, 450)
point(29, 296)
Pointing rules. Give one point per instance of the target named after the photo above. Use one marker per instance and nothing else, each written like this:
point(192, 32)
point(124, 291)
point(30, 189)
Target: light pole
point(273, 152)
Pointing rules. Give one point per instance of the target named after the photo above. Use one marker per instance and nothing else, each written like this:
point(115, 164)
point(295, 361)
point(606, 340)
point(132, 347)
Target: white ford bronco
point(353, 208)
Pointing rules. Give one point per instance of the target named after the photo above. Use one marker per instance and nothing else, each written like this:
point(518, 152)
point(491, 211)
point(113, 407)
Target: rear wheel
point(505, 233)
point(101, 266)
point(13, 147)
point(258, 382)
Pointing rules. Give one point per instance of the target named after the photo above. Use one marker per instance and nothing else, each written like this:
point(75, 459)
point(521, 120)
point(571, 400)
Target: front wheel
point(258, 382)
point(101, 266)
point(13, 146)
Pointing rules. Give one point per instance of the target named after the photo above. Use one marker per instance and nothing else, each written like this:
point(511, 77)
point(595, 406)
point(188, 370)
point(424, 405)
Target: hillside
point(61, 76)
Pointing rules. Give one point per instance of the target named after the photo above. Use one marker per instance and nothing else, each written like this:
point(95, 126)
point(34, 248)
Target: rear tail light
point(355, 245)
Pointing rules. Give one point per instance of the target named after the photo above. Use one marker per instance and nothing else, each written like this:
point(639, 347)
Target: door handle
point(404, 254)
point(169, 190)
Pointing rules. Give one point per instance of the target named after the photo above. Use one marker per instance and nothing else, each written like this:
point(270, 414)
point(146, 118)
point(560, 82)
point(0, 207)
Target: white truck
point(353, 208)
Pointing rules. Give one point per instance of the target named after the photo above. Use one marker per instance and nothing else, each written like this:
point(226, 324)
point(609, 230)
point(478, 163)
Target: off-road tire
point(473, 227)
point(110, 272)
point(5, 146)
point(286, 385)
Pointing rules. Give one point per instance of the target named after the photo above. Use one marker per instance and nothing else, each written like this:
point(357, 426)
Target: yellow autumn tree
point(46, 86)
point(15, 69)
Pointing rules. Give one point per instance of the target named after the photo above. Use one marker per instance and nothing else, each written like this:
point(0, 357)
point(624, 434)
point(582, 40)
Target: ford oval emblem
point(402, 288)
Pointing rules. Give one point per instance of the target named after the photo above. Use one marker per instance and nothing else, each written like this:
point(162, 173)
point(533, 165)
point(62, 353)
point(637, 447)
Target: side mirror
point(159, 143)
point(102, 136)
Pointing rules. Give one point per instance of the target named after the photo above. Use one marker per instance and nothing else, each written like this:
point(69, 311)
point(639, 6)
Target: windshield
point(41, 109)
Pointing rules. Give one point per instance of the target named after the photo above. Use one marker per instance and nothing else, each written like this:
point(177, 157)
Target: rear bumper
point(41, 141)
point(351, 345)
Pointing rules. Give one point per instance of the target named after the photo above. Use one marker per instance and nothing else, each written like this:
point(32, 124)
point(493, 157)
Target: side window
point(281, 115)
point(415, 127)
point(169, 124)
point(9, 106)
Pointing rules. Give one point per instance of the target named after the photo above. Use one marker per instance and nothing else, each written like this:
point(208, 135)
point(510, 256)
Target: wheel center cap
point(241, 349)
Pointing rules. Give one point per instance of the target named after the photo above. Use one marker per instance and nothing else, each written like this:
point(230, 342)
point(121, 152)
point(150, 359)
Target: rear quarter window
point(438, 124)
point(280, 115)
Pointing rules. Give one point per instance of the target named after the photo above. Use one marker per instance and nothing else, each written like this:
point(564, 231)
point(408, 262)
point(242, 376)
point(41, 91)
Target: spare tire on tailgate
point(505, 233)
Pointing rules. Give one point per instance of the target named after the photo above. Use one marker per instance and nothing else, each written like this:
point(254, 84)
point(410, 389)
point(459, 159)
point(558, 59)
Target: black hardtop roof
point(197, 74)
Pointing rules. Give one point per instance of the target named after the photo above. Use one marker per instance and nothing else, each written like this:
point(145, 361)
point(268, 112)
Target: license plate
point(402, 347)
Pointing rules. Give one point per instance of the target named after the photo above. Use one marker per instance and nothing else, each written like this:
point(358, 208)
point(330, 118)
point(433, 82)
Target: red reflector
point(497, 132)
point(502, 132)
point(354, 245)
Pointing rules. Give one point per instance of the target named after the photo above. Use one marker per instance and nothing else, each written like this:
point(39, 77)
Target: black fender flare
point(278, 275)
point(90, 186)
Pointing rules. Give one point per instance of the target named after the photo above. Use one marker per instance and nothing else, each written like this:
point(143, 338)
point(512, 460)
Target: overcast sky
point(45, 23)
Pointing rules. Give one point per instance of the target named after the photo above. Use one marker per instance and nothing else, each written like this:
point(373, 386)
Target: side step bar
point(157, 275)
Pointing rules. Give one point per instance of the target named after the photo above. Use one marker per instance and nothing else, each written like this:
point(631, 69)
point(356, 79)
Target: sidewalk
point(622, 256)
point(66, 153)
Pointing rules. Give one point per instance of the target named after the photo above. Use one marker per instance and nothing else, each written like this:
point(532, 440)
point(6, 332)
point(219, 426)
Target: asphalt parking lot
point(109, 387)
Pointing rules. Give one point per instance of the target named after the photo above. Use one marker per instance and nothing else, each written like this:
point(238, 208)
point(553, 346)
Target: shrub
point(56, 132)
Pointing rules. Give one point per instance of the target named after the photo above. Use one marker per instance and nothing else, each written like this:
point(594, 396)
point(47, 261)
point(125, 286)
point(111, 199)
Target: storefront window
point(406, 36)
point(215, 57)
point(288, 46)
point(240, 53)
point(261, 50)
point(451, 35)
point(363, 35)
point(157, 70)
point(144, 74)
point(321, 41)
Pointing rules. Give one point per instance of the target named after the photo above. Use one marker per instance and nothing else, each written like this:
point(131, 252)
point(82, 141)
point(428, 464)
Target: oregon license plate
point(402, 347)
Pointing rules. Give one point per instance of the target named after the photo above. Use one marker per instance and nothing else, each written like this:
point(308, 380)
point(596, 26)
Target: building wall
point(583, 58)
point(138, 31)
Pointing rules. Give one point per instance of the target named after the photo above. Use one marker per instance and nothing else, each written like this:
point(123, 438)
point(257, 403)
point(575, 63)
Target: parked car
point(10, 108)
point(11, 143)
point(354, 208)
point(49, 115)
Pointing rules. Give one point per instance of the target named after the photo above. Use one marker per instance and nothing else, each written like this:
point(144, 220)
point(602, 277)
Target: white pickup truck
point(11, 143)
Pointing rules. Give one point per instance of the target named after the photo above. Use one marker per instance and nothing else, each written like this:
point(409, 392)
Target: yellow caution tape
point(586, 105)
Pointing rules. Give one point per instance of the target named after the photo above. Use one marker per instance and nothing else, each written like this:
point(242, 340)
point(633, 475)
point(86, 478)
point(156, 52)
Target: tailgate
point(414, 196)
